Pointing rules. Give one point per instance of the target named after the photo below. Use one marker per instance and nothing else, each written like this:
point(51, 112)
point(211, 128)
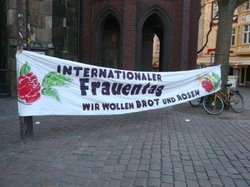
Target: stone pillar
point(147, 48)
point(185, 33)
point(85, 44)
point(129, 34)
point(193, 39)
point(190, 23)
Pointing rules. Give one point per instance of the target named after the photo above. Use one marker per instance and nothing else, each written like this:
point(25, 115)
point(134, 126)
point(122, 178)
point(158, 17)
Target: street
point(177, 146)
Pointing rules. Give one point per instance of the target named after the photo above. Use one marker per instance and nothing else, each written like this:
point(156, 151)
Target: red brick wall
point(131, 12)
point(129, 35)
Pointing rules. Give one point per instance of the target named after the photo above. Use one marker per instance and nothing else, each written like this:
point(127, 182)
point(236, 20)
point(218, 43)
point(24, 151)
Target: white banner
point(53, 86)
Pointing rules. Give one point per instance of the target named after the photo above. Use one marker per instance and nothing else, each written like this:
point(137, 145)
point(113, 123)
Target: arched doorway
point(154, 22)
point(110, 42)
point(151, 27)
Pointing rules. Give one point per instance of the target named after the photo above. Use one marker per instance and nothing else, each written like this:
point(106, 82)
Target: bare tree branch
point(210, 27)
point(207, 36)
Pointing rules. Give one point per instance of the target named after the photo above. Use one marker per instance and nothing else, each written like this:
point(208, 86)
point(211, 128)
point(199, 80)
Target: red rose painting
point(207, 85)
point(210, 82)
point(28, 88)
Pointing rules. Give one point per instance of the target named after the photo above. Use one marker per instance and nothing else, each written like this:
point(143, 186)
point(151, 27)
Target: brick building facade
point(117, 33)
point(125, 29)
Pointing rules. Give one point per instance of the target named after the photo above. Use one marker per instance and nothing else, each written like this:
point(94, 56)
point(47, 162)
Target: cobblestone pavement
point(177, 146)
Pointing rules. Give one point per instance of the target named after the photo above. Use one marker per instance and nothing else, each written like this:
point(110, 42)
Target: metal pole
point(26, 123)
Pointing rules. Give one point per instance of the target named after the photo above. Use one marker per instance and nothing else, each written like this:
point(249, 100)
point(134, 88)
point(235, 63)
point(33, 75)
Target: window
point(246, 34)
point(233, 37)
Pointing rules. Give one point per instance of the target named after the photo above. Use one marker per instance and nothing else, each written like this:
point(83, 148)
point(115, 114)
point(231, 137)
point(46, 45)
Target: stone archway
point(153, 22)
point(152, 26)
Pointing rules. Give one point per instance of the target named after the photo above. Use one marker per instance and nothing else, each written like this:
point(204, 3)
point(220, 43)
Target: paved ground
point(177, 146)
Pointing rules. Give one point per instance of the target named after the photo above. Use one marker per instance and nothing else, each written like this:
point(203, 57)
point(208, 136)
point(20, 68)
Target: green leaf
point(216, 76)
point(218, 80)
point(55, 79)
point(25, 69)
point(51, 92)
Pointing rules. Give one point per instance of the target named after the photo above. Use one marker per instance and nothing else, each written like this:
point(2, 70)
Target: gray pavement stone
point(154, 148)
point(204, 183)
point(142, 174)
point(215, 181)
point(246, 176)
point(241, 183)
point(129, 174)
point(248, 182)
point(227, 181)
point(167, 179)
point(166, 185)
point(180, 183)
point(127, 182)
point(191, 183)
point(140, 182)
point(154, 182)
